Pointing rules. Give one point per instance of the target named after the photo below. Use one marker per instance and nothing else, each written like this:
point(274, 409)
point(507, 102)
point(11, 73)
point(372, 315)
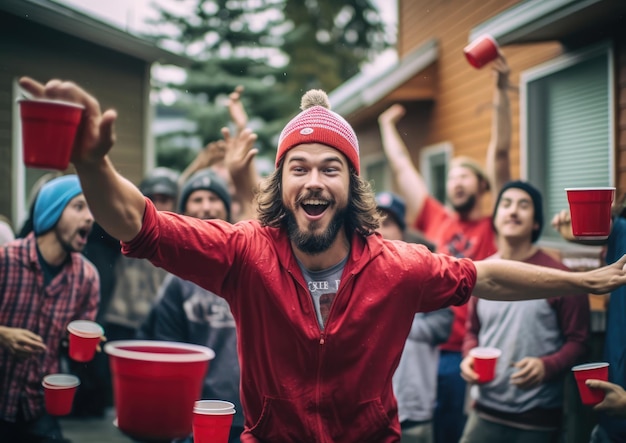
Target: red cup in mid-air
point(481, 51)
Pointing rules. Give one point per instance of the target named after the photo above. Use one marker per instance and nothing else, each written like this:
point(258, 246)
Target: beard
point(66, 245)
point(309, 242)
point(466, 206)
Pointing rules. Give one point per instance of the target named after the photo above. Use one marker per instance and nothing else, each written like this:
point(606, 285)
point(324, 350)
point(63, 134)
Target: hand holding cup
point(95, 134)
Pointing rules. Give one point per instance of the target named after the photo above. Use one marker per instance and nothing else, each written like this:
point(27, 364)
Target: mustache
point(311, 195)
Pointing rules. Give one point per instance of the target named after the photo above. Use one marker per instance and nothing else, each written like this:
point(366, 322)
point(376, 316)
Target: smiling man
point(540, 339)
point(307, 373)
point(45, 283)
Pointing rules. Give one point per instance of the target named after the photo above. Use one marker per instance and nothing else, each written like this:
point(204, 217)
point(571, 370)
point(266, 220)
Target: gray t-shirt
point(323, 286)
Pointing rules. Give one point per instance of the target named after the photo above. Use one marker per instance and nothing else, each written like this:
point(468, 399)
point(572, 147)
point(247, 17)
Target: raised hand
point(236, 110)
point(502, 71)
point(239, 151)
point(392, 115)
point(96, 134)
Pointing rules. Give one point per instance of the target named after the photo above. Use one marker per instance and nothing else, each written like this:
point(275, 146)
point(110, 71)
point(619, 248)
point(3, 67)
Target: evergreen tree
point(276, 49)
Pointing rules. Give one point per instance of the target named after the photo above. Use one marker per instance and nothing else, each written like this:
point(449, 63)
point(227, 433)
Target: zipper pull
point(322, 340)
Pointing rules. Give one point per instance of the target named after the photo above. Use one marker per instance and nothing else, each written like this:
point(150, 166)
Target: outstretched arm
point(509, 280)
point(411, 184)
point(498, 158)
point(116, 203)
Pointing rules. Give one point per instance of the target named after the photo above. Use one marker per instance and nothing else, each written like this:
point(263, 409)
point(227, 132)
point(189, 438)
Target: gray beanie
point(206, 180)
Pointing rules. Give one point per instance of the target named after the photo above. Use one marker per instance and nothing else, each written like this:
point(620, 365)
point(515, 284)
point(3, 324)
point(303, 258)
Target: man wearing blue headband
point(45, 283)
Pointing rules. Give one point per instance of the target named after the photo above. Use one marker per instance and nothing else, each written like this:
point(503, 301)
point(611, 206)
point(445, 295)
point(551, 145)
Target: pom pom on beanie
point(318, 124)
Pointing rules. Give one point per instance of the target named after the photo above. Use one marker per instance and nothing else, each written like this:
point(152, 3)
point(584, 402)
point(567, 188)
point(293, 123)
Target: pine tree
point(276, 49)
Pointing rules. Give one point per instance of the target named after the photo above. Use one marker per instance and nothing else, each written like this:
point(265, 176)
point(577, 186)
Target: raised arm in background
point(115, 202)
point(411, 184)
point(208, 156)
point(239, 161)
point(238, 114)
point(498, 152)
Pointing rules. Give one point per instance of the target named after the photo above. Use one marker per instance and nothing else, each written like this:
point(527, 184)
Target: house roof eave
point(366, 89)
point(541, 20)
point(72, 22)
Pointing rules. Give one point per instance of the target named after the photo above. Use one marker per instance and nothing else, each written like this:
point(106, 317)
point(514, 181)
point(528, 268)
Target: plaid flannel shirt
point(25, 303)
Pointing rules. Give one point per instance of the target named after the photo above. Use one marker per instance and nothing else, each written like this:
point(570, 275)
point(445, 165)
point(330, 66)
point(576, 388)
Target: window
point(434, 168)
point(376, 171)
point(567, 125)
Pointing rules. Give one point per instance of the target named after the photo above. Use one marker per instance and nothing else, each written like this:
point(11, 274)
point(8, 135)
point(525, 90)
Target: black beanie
point(206, 180)
point(535, 196)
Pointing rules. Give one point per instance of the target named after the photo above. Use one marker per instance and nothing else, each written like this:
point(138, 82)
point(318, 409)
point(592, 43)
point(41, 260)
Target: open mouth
point(314, 207)
point(83, 233)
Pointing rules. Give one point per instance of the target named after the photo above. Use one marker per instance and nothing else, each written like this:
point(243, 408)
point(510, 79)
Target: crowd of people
point(336, 314)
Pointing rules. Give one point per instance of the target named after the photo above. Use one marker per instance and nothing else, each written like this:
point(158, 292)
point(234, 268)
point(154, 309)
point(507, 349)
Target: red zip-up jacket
point(300, 383)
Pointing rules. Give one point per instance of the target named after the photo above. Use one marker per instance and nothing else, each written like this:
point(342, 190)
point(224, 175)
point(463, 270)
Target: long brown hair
point(362, 214)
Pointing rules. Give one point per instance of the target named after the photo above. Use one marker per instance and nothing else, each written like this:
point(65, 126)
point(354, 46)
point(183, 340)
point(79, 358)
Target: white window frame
point(427, 155)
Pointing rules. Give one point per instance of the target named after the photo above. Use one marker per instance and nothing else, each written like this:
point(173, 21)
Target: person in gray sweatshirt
point(415, 379)
point(540, 340)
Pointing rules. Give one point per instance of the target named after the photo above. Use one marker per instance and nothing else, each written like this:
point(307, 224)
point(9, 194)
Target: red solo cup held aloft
point(59, 392)
point(212, 427)
point(481, 51)
point(485, 360)
point(596, 371)
point(84, 339)
point(155, 386)
point(48, 132)
point(590, 211)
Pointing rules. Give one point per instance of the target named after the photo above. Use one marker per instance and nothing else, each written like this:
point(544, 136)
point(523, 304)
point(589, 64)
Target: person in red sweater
point(461, 230)
point(322, 303)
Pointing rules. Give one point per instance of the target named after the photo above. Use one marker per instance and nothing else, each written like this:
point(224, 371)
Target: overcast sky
point(131, 15)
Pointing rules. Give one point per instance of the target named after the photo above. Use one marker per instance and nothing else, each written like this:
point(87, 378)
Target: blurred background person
point(461, 230)
point(540, 340)
point(46, 284)
point(187, 313)
point(415, 379)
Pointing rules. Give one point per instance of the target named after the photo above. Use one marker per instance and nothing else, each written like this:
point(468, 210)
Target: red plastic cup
point(590, 210)
point(596, 371)
point(212, 420)
point(485, 360)
point(59, 391)
point(481, 51)
point(84, 338)
point(48, 131)
point(155, 386)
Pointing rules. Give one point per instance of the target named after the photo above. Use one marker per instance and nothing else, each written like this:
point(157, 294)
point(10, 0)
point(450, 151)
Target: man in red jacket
point(322, 304)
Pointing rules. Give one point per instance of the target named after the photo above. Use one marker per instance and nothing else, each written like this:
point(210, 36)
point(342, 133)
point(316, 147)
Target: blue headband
point(52, 200)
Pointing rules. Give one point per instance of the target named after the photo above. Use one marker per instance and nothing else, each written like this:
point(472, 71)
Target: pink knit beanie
point(318, 124)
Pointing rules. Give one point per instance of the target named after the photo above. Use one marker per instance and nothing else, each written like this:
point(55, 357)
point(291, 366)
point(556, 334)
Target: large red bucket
point(155, 385)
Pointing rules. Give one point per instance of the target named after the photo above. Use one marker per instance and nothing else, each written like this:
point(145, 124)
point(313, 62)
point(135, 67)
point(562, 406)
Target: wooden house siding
point(457, 107)
point(116, 79)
